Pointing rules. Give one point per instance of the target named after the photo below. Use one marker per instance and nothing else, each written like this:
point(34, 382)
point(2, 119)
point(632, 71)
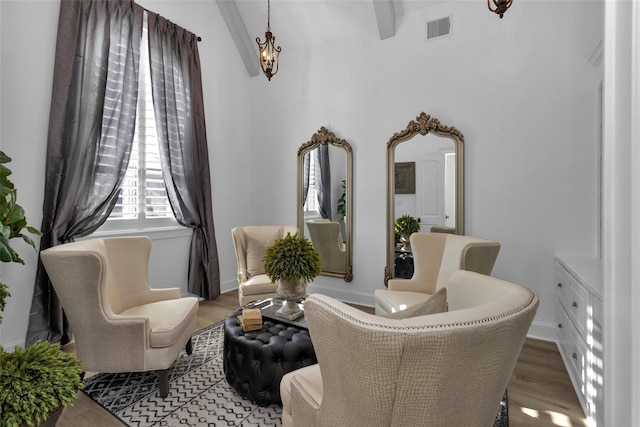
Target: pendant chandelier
point(501, 6)
point(268, 51)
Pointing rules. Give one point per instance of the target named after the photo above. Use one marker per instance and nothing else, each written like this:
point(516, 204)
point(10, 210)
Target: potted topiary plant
point(38, 382)
point(405, 226)
point(294, 262)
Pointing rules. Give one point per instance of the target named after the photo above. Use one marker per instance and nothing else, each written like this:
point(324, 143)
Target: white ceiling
point(303, 23)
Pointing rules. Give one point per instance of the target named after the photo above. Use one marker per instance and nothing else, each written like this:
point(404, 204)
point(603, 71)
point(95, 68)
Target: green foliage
point(36, 381)
point(12, 216)
point(4, 294)
point(406, 225)
point(342, 208)
point(12, 221)
point(292, 258)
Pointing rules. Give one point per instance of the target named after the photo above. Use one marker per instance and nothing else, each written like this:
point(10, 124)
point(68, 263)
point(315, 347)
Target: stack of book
point(250, 319)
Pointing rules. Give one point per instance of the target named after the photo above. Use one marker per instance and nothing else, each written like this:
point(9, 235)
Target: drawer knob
point(559, 325)
point(574, 355)
point(559, 284)
point(574, 304)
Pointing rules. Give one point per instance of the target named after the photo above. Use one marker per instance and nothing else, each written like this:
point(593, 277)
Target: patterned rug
point(198, 392)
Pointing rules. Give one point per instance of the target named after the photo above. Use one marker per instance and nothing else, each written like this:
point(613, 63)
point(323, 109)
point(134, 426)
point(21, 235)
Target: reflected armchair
point(444, 369)
point(250, 243)
point(119, 323)
point(326, 237)
point(436, 256)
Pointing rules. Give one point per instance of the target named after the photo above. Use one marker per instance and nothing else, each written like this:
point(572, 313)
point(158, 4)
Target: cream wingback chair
point(445, 369)
point(326, 237)
point(435, 257)
point(118, 322)
point(250, 243)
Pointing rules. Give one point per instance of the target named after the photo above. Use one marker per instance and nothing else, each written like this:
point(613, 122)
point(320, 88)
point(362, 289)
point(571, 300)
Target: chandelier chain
point(269, 15)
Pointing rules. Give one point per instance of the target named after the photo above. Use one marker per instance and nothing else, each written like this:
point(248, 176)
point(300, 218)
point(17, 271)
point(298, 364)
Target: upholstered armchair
point(450, 368)
point(435, 257)
point(250, 243)
point(326, 237)
point(118, 322)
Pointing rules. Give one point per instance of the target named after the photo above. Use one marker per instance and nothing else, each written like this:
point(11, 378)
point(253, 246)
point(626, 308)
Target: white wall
point(28, 37)
point(521, 91)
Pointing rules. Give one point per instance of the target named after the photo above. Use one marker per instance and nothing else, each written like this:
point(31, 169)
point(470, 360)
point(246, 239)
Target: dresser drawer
point(562, 283)
point(574, 297)
point(576, 356)
point(562, 327)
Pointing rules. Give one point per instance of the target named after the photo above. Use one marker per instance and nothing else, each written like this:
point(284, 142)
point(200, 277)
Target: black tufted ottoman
point(254, 362)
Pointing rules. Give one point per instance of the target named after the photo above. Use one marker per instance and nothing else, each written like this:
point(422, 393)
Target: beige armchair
point(326, 237)
point(118, 322)
point(436, 256)
point(251, 243)
point(444, 369)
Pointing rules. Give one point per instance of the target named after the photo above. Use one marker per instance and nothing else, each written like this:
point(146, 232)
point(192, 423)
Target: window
point(143, 201)
point(311, 205)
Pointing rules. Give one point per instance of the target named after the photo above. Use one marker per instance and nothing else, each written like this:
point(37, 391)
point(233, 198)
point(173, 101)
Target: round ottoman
point(254, 362)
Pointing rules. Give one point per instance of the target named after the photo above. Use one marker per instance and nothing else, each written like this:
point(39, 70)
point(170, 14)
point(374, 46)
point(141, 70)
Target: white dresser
point(580, 320)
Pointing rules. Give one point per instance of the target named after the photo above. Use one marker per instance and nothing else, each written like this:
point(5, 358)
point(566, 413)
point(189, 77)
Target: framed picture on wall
point(405, 180)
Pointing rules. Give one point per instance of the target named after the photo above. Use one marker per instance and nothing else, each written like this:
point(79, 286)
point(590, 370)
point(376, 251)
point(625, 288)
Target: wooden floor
point(540, 391)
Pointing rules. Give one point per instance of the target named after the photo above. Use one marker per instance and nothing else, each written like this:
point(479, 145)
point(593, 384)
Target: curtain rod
point(155, 13)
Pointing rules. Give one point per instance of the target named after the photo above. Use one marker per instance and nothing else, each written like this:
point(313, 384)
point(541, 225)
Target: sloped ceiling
point(299, 24)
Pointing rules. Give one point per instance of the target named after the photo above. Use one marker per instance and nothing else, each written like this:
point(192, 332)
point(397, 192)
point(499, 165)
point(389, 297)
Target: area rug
point(198, 392)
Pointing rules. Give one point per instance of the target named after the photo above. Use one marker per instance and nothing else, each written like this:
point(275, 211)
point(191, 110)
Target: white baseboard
point(543, 331)
point(9, 347)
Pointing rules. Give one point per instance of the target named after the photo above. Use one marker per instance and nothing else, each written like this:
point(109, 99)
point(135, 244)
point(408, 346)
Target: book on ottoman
point(250, 319)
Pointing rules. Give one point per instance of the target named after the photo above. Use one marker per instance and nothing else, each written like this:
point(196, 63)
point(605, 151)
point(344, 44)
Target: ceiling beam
point(386, 17)
point(245, 46)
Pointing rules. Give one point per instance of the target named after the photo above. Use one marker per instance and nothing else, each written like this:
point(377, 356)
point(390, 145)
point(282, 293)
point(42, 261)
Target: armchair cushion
point(256, 248)
point(167, 319)
point(259, 284)
point(436, 304)
point(387, 301)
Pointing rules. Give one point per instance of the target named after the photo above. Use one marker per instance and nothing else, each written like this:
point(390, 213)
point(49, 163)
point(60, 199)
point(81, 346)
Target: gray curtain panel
point(323, 181)
point(91, 128)
point(179, 106)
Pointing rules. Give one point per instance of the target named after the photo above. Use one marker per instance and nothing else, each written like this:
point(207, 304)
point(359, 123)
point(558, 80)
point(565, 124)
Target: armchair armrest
point(410, 285)
point(242, 275)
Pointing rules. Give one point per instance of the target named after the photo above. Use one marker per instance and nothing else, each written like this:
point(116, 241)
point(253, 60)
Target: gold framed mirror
point(325, 217)
point(425, 180)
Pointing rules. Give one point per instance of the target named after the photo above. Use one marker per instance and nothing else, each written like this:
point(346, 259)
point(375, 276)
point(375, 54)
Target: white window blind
point(312, 205)
point(143, 201)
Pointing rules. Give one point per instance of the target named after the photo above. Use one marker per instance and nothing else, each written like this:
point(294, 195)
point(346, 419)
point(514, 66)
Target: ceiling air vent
point(438, 28)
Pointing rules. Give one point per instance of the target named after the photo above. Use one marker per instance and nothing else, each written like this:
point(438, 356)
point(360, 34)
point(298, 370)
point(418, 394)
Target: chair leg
point(163, 380)
point(189, 347)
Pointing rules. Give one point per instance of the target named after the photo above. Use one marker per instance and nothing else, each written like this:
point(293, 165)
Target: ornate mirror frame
point(422, 125)
point(323, 137)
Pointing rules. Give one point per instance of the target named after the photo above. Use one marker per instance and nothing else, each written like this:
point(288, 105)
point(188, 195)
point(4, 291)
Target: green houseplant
point(404, 227)
point(294, 262)
point(37, 382)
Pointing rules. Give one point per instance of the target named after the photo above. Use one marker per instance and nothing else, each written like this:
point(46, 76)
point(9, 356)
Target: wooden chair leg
point(163, 382)
point(189, 347)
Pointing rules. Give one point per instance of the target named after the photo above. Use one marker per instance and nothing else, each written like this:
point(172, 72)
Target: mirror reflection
point(325, 165)
point(425, 187)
